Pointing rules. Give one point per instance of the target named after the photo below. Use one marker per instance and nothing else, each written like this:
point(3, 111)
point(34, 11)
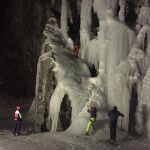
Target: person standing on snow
point(113, 115)
point(17, 121)
point(93, 112)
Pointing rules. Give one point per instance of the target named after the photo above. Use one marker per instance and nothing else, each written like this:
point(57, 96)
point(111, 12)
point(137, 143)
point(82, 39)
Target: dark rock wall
point(21, 26)
point(46, 86)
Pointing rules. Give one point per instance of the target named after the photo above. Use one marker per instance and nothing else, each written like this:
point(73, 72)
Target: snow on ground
point(63, 141)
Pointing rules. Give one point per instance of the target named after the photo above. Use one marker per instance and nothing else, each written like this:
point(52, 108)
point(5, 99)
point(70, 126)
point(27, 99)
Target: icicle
point(114, 41)
point(70, 14)
point(78, 4)
point(100, 8)
point(145, 42)
point(85, 27)
point(113, 45)
point(54, 106)
point(144, 16)
point(64, 19)
point(93, 52)
point(144, 107)
point(122, 4)
point(112, 4)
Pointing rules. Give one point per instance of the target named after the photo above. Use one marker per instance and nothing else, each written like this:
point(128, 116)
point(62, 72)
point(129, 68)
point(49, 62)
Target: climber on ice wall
point(93, 112)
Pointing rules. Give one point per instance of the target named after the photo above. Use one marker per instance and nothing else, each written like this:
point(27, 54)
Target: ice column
point(64, 19)
point(122, 4)
point(112, 4)
point(143, 118)
point(144, 16)
point(54, 105)
point(141, 49)
point(85, 27)
point(100, 8)
point(115, 40)
point(78, 4)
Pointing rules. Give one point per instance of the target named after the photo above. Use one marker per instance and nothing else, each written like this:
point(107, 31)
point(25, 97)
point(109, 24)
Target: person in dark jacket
point(93, 112)
point(113, 115)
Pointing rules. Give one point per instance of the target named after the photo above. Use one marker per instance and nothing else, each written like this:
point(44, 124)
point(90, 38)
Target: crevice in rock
point(132, 111)
point(145, 119)
point(131, 16)
point(44, 125)
point(93, 70)
point(74, 26)
point(95, 23)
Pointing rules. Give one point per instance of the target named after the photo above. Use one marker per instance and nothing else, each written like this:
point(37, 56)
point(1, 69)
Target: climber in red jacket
point(17, 121)
point(76, 50)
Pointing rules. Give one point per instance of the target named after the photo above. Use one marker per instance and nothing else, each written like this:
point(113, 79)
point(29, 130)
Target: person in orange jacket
point(17, 121)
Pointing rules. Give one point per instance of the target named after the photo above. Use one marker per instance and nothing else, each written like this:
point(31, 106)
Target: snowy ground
point(62, 141)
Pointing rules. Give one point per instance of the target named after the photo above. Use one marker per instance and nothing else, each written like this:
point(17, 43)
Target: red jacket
point(17, 115)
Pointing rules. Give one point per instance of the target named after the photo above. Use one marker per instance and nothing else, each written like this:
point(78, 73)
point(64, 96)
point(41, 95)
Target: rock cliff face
point(21, 29)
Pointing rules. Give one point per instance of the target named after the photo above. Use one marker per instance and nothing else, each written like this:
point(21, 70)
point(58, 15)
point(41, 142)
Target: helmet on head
point(115, 108)
point(17, 107)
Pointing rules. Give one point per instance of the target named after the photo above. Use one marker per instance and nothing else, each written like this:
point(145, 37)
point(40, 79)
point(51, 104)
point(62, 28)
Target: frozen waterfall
point(64, 18)
point(121, 61)
point(85, 26)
